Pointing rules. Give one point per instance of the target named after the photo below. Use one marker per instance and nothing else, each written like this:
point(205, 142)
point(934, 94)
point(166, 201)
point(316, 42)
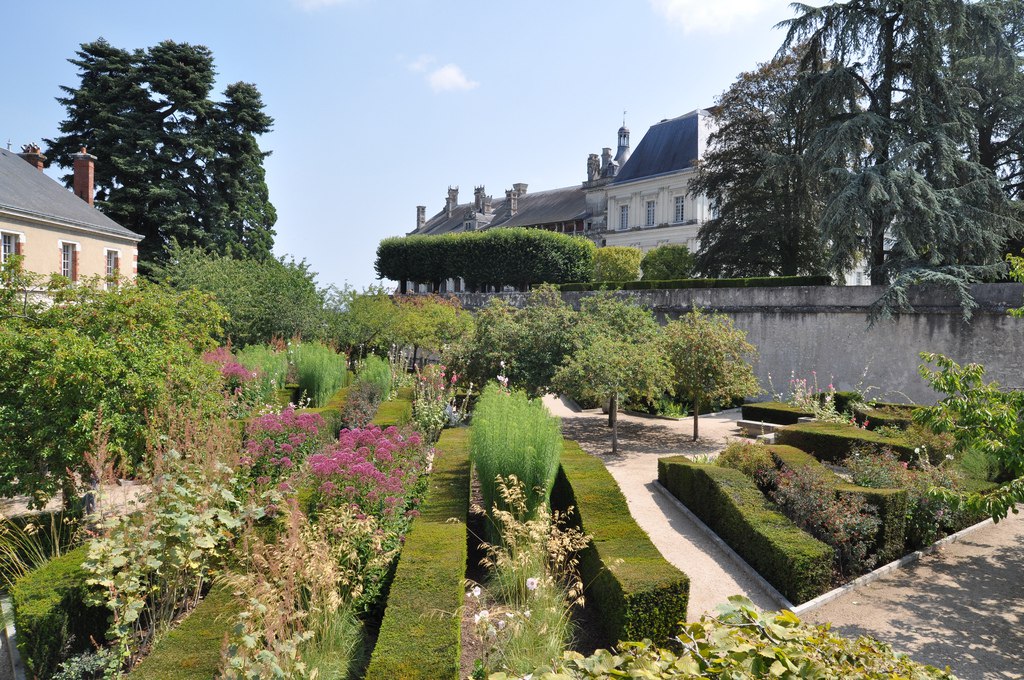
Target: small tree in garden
point(429, 322)
point(617, 263)
point(667, 262)
point(709, 360)
point(368, 322)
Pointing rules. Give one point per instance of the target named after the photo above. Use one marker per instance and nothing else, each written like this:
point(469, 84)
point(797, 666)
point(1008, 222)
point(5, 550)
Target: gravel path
point(713, 574)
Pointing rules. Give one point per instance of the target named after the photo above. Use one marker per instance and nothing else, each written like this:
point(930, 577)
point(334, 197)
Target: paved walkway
point(713, 575)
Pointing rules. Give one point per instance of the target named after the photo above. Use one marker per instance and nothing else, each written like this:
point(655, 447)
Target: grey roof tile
point(669, 146)
point(537, 208)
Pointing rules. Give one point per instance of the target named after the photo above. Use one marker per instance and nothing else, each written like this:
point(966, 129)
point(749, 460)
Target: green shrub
point(376, 371)
point(332, 411)
point(730, 503)
point(749, 458)
point(845, 401)
point(397, 411)
point(321, 371)
point(51, 613)
point(890, 503)
point(834, 442)
point(775, 412)
point(667, 262)
point(271, 364)
point(514, 435)
point(617, 263)
point(193, 649)
point(879, 414)
point(636, 593)
point(753, 282)
point(420, 635)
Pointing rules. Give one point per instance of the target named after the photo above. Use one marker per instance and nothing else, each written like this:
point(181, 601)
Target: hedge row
point(331, 411)
point(396, 411)
point(880, 414)
point(192, 651)
point(750, 282)
point(51, 615)
point(729, 502)
point(420, 633)
point(503, 256)
point(774, 412)
point(834, 442)
point(891, 504)
point(636, 593)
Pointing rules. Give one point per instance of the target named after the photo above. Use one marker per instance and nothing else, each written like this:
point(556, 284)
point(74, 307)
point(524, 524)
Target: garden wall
point(825, 329)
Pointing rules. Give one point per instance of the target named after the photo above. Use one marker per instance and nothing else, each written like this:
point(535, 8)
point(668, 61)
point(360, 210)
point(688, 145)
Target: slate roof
point(537, 208)
point(668, 146)
point(26, 190)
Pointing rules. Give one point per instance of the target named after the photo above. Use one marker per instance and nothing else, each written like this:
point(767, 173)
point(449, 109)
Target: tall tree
point(767, 200)
point(173, 163)
point(907, 197)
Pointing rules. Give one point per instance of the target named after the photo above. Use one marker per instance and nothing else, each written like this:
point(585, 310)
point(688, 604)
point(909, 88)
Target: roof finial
point(623, 117)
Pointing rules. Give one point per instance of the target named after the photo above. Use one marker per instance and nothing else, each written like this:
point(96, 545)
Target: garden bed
point(834, 442)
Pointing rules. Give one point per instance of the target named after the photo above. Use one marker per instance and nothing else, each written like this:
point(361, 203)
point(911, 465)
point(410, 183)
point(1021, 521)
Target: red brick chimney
point(84, 167)
point(33, 154)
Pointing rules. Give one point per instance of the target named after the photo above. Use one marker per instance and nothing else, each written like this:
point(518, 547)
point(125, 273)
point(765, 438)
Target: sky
point(380, 105)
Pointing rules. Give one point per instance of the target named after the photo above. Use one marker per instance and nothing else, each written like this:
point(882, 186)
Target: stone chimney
point(478, 198)
point(84, 166)
point(520, 188)
point(33, 154)
point(512, 198)
point(452, 200)
point(421, 216)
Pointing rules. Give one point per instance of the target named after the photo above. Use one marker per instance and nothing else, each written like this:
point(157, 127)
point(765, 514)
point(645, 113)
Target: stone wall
point(825, 330)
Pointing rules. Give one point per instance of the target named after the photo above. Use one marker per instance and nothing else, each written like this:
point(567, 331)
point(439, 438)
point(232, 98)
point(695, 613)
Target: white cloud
point(450, 78)
point(716, 16)
point(421, 63)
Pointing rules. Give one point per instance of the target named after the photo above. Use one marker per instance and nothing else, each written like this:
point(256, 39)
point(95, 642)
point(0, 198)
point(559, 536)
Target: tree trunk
point(696, 415)
point(613, 422)
point(415, 350)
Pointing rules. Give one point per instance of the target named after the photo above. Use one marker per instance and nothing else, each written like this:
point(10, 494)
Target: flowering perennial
point(276, 443)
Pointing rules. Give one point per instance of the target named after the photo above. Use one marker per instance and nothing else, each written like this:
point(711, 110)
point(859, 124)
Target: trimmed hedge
point(750, 282)
point(420, 635)
point(880, 414)
point(891, 504)
point(729, 502)
point(634, 590)
point(51, 615)
point(193, 649)
point(397, 411)
point(331, 411)
point(834, 442)
point(501, 256)
point(846, 400)
point(774, 412)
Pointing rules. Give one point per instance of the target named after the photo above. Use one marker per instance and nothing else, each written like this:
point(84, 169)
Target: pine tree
point(910, 195)
point(174, 165)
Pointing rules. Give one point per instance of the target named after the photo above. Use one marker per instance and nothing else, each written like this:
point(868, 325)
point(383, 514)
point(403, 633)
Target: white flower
point(531, 583)
point(527, 613)
point(482, 616)
point(476, 592)
point(949, 456)
point(917, 450)
point(501, 624)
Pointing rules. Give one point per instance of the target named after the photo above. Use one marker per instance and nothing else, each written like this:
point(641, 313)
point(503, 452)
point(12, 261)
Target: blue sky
point(380, 105)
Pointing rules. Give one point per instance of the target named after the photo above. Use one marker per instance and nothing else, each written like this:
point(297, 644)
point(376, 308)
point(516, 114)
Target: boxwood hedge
point(396, 411)
point(636, 593)
point(750, 282)
point(774, 412)
point(420, 633)
point(880, 414)
point(834, 442)
point(729, 502)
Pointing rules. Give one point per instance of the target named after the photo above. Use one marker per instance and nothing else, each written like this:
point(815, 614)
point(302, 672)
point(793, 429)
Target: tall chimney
point(478, 198)
point(519, 188)
point(512, 198)
point(421, 216)
point(84, 167)
point(452, 200)
point(33, 154)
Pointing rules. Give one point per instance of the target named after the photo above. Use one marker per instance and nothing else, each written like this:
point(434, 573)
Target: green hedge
point(51, 614)
point(774, 412)
point(192, 651)
point(420, 633)
point(502, 256)
point(750, 282)
point(880, 414)
point(636, 593)
point(834, 442)
point(846, 400)
point(331, 411)
point(729, 502)
point(397, 411)
point(891, 504)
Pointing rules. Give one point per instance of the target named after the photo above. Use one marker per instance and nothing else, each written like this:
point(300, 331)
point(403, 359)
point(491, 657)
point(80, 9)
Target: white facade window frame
point(651, 207)
point(680, 209)
point(19, 237)
point(624, 216)
point(76, 248)
point(106, 263)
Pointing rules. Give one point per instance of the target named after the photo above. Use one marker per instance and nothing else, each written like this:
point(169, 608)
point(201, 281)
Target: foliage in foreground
point(741, 642)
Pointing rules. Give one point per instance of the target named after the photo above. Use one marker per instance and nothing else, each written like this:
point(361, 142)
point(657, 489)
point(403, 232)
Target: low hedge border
point(880, 414)
point(834, 442)
point(396, 411)
point(750, 282)
point(51, 616)
point(192, 651)
point(636, 592)
point(774, 412)
point(420, 635)
point(331, 411)
point(891, 504)
point(729, 502)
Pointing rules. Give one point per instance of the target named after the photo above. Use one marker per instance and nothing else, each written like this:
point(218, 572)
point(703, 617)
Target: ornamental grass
point(320, 371)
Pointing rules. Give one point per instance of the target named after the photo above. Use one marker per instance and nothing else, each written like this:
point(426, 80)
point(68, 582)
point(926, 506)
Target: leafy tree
point(263, 298)
point(174, 163)
point(367, 320)
point(430, 322)
point(983, 417)
point(709, 359)
point(667, 262)
point(617, 263)
point(83, 373)
point(907, 198)
point(767, 199)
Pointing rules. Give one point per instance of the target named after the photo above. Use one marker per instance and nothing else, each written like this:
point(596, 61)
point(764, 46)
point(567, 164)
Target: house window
point(68, 261)
point(680, 202)
point(8, 246)
point(650, 213)
point(624, 217)
point(113, 264)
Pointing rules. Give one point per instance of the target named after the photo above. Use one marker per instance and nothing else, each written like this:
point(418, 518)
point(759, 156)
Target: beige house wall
point(41, 242)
